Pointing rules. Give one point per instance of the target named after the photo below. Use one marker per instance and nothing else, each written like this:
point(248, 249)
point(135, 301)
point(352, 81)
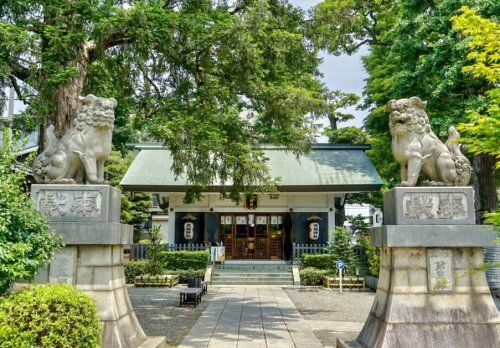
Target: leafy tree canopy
point(483, 128)
point(181, 70)
point(416, 51)
point(483, 131)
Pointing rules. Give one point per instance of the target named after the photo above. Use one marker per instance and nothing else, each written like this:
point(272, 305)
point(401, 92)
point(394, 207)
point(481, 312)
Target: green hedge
point(135, 268)
point(186, 274)
point(140, 267)
point(184, 260)
point(313, 276)
point(49, 316)
point(319, 261)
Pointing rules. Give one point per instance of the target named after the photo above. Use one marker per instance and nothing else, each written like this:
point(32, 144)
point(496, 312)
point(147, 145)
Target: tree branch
point(14, 83)
point(146, 76)
point(19, 71)
point(351, 50)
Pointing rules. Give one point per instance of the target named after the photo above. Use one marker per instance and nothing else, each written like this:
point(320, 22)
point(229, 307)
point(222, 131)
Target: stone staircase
point(252, 273)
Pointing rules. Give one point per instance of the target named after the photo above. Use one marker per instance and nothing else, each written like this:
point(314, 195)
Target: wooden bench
point(169, 280)
point(198, 283)
point(190, 296)
point(348, 282)
point(309, 288)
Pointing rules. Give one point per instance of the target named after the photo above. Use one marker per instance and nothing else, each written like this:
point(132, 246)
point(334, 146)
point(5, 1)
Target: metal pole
point(340, 272)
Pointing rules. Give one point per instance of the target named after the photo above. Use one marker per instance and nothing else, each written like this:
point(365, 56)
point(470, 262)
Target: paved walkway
point(251, 317)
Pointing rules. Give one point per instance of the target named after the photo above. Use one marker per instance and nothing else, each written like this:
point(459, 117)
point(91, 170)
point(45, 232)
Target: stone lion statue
point(416, 147)
point(82, 151)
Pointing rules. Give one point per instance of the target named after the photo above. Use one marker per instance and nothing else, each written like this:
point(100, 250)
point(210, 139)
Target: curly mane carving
point(82, 151)
point(416, 147)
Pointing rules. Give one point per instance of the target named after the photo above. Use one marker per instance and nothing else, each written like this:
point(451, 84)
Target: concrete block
point(411, 236)
point(418, 281)
point(62, 268)
point(462, 281)
point(400, 281)
point(477, 258)
point(118, 277)
point(84, 277)
point(478, 282)
point(121, 302)
point(106, 304)
point(42, 276)
point(386, 257)
point(429, 206)
point(91, 233)
point(70, 203)
point(103, 278)
point(95, 255)
point(117, 255)
point(409, 258)
point(462, 257)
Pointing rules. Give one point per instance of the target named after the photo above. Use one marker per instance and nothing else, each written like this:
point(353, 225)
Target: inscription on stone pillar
point(423, 206)
point(440, 270)
point(69, 203)
point(63, 265)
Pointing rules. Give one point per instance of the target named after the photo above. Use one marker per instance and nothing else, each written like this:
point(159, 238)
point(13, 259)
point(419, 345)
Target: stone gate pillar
point(88, 219)
point(432, 291)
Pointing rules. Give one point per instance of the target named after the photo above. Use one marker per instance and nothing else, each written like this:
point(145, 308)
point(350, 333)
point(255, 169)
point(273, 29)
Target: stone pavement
point(251, 317)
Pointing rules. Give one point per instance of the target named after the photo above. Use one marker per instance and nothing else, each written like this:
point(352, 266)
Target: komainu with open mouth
point(416, 147)
point(82, 151)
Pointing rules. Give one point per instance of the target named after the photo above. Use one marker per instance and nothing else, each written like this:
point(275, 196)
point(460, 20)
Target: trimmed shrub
point(49, 316)
point(313, 276)
point(186, 274)
point(184, 260)
point(135, 268)
point(141, 267)
point(319, 261)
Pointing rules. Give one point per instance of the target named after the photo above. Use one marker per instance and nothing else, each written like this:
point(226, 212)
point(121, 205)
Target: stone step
point(254, 267)
point(251, 282)
point(253, 275)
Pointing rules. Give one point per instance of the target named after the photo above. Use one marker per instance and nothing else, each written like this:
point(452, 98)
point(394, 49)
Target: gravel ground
point(331, 314)
point(159, 314)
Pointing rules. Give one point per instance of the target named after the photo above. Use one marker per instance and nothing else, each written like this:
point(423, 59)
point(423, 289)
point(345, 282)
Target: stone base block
point(431, 205)
point(430, 297)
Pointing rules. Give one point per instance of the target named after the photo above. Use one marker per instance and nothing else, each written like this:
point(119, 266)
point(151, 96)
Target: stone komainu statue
point(82, 151)
point(416, 147)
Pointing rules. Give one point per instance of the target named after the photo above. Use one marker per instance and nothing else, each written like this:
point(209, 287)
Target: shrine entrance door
point(252, 236)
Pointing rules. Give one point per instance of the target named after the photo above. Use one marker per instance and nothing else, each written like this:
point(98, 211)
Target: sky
point(345, 73)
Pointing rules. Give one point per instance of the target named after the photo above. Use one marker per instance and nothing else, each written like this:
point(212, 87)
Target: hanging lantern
point(314, 231)
point(188, 230)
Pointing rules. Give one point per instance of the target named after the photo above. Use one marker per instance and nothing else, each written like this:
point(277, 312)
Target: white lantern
point(314, 231)
point(188, 230)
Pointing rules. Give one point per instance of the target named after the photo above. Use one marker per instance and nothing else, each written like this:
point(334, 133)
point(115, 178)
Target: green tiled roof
point(326, 168)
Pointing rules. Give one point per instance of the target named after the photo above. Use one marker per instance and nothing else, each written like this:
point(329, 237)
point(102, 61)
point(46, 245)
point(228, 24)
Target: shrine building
point(301, 211)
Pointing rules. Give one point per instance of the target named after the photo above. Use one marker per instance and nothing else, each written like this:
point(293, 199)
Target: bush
point(319, 261)
point(342, 249)
point(373, 254)
point(49, 316)
point(184, 260)
point(154, 251)
point(26, 240)
point(135, 268)
point(141, 267)
point(313, 276)
point(186, 274)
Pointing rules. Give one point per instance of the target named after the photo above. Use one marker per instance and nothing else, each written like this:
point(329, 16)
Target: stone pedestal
point(88, 218)
point(431, 291)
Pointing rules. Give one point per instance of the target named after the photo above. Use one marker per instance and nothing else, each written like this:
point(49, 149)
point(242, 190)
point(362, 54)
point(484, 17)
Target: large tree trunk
point(486, 199)
point(65, 98)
